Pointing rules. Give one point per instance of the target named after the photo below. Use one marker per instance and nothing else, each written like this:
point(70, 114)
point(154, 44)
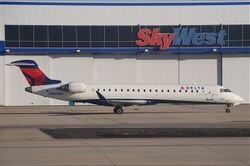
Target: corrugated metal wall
point(124, 15)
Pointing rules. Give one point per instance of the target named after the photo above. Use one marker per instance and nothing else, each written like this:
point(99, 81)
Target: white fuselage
point(141, 94)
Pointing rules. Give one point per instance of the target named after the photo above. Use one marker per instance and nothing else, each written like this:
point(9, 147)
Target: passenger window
point(103, 90)
point(115, 90)
point(144, 90)
point(186, 91)
point(150, 90)
point(156, 90)
point(138, 90)
point(133, 90)
point(162, 90)
point(168, 90)
point(127, 90)
point(110, 90)
point(98, 89)
point(121, 90)
point(179, 90)
point(192, 91)
point(174, 91)
point(197, 91)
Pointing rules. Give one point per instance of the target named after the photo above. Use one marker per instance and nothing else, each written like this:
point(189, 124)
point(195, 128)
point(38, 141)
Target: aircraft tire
point(118, 110)
point(228, 110)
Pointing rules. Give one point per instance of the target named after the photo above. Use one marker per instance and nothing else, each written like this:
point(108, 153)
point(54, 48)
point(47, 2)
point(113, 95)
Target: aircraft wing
point(118, 102)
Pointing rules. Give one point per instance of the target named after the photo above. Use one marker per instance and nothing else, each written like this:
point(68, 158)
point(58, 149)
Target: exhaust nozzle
point(28, 89)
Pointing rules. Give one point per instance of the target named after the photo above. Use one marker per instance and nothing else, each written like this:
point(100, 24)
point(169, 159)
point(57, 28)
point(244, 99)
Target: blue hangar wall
point(171, 43)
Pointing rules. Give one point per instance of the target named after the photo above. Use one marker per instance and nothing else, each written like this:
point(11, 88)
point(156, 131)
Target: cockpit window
point(225, 90)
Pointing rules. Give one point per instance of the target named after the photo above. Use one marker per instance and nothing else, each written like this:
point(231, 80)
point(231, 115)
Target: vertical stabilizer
point(32, 73)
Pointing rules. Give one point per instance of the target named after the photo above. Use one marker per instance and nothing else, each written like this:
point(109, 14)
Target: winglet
point(101, 96)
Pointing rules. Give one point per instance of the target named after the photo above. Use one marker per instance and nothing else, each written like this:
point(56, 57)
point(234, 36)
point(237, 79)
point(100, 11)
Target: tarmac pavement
point(22, 143)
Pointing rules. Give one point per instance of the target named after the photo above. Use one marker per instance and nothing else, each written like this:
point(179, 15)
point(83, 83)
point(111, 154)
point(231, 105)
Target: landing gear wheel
point(228, 110)
point(118, 110)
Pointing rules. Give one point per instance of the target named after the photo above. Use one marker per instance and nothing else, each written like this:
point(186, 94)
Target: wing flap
point(127, 102)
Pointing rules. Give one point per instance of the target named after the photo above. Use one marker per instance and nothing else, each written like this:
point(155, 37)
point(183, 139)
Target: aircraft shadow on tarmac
point(72, 113)
point(111, 113)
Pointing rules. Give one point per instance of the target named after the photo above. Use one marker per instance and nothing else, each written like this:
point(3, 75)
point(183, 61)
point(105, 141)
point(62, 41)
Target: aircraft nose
point(237, 100)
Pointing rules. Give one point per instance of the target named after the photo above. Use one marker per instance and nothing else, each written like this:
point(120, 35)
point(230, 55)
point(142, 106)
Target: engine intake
point(74, 87)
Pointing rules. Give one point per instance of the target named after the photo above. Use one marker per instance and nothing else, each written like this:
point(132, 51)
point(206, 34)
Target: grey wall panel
point(124, 15)
point(2, 35)
point(198, 69)
point(2, 80)
point(15, 82)
point(117, 68)
point(157, 68)
point(236, 74)
point(72, 68)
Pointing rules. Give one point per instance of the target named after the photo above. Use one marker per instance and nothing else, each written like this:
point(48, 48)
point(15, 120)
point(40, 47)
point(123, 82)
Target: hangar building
point(170, 42)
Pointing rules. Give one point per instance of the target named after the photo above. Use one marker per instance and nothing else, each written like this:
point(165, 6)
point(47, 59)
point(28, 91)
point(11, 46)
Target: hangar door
point(200, 69)
point(72, 68)
point(157, 68)
point(236, 74)
point(115, 68)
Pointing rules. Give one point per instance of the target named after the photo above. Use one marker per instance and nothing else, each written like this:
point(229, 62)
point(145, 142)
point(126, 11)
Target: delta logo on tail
point(180, 37)
point(32, 73)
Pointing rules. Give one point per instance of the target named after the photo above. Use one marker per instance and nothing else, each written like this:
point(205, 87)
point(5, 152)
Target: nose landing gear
point(227, 110)
point(118, 110)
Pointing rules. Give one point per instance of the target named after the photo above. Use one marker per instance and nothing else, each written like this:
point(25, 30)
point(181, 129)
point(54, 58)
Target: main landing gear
point(118, 110)
point(227, 110)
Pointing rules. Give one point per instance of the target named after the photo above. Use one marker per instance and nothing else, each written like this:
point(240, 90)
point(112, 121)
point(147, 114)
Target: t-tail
point(32, 73)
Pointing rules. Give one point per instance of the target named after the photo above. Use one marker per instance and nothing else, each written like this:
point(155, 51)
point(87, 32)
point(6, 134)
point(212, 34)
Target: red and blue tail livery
point(32, 73)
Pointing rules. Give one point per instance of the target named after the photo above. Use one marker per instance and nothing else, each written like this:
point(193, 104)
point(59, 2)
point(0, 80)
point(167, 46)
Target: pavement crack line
point(225, 155)
point(17, 122)
point(104, 155)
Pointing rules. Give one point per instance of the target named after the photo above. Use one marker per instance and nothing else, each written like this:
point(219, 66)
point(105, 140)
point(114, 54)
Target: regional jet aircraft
point(119, 95)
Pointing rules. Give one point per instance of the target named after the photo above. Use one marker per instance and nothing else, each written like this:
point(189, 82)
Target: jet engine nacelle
point(74, 87)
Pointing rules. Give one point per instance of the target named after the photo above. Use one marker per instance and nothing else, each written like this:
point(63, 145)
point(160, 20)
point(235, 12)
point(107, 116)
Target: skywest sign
point(180, 37)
